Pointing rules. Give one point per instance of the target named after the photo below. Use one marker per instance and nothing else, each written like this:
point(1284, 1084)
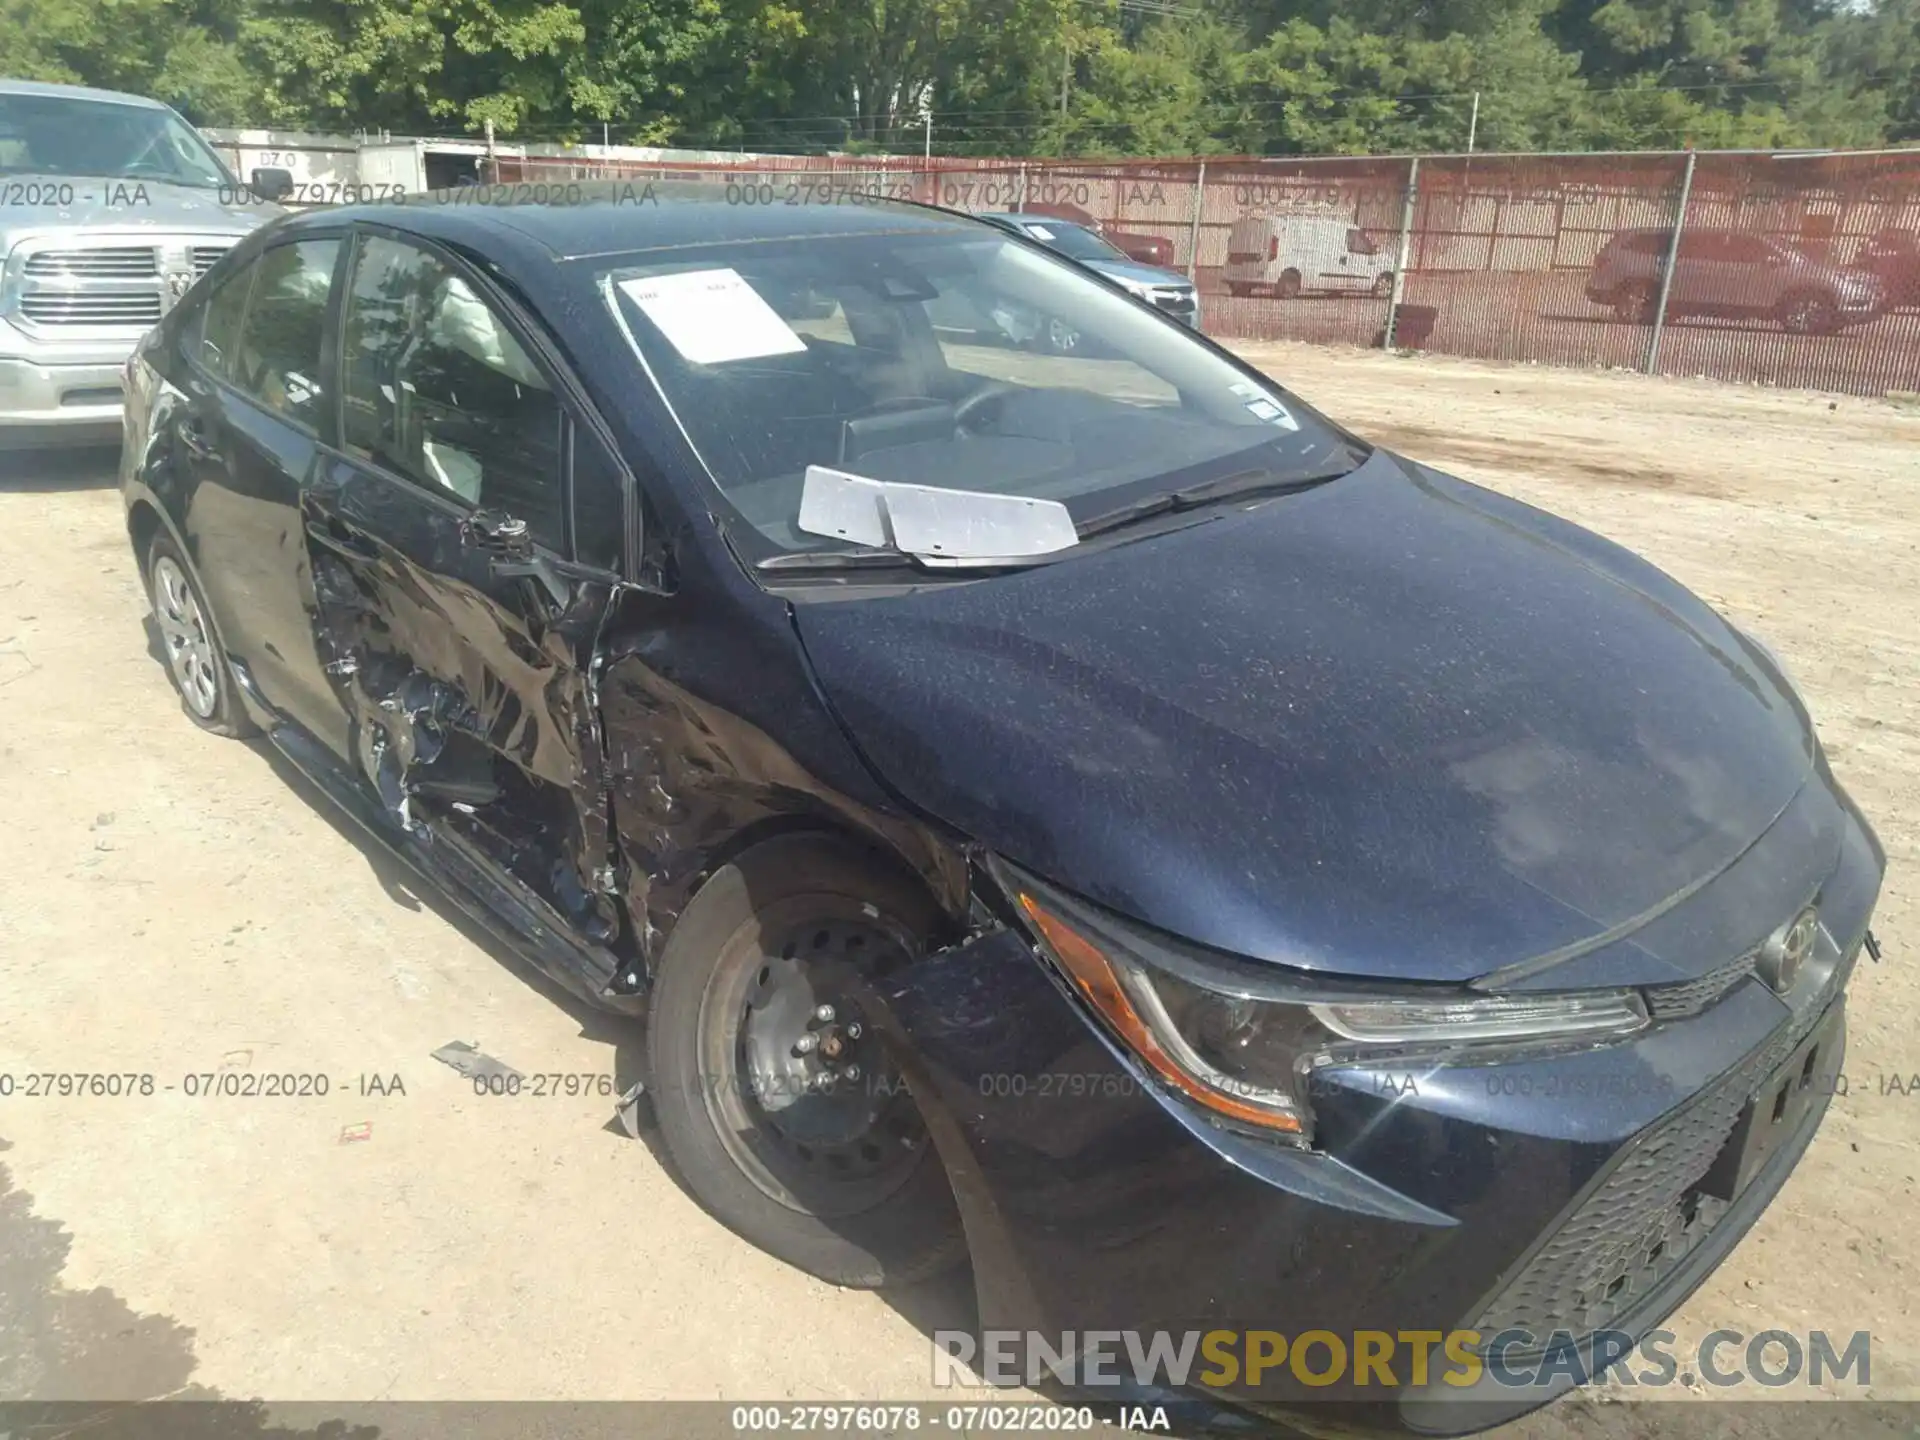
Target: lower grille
point(90, 308)
point(1643, 1218)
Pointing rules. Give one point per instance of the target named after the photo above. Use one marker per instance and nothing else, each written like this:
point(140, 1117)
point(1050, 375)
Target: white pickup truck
point(111, 206)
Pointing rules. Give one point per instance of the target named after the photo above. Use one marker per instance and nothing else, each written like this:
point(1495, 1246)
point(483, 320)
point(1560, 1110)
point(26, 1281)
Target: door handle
point(330, 536)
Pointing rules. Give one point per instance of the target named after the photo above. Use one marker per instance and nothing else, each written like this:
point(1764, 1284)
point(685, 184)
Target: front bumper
point(1566, 1193)
point(63, 396)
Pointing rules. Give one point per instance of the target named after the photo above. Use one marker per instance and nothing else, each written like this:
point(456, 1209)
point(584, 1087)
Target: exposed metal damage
point(473, 717)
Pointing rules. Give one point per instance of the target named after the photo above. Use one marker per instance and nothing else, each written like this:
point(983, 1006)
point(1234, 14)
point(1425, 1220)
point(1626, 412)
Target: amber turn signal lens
point(1094, 974)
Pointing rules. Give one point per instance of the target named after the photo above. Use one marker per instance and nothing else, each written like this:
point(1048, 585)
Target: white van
point(1294, 254)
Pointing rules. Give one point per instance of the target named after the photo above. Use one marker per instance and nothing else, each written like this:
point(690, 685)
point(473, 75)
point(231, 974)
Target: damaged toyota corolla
point(1087, 815)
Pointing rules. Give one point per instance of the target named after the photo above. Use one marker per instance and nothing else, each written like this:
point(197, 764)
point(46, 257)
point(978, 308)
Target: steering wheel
point(989, 394)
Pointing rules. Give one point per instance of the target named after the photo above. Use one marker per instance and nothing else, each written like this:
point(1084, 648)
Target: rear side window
point(220, 329)
point(438, 389)
point(277, 361)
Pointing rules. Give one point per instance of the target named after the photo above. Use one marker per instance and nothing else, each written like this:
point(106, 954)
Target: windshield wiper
point(1228, 487)
point(863, 558)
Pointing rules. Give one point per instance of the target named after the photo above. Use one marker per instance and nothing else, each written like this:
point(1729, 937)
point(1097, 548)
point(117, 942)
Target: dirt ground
point(175, 904)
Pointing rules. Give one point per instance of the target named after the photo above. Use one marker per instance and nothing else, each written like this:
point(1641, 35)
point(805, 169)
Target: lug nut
point(852, 1072)
point(853, 1030)
point(824, 1014)
point(804, 1045)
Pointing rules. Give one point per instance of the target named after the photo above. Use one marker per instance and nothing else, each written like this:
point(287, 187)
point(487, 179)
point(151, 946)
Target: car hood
point(126, 205)
point(1396, 725)
point(1131, 274)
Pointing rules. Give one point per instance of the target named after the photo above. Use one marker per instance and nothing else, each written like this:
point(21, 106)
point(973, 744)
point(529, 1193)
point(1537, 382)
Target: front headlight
point(1243, 1041)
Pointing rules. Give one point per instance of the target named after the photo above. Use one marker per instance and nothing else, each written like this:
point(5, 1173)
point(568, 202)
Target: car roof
point(77, 92)
point(593, 219)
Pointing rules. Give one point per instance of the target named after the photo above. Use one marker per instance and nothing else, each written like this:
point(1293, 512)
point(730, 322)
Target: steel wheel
point(819, 1118)
point(191, 654)
point(772, 1063)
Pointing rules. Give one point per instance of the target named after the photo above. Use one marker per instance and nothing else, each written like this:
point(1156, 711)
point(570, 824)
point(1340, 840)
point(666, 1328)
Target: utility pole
point(1405, 261)
point(1666, 268)
point(1473, 123)
point(1066, 70)
point(493, 158)
point(929, 133)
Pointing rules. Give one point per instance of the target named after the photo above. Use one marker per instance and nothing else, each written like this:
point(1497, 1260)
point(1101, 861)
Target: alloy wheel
point(1809, 315)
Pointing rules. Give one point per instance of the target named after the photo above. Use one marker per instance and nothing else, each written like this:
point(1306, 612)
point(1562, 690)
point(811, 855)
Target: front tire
point(196, 660)
point(777, 1098)
point(1289, 286)
point(1809, 312)
point(1635, 303)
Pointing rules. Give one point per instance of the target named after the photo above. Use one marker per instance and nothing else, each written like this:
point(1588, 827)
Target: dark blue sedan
point(1082, 813)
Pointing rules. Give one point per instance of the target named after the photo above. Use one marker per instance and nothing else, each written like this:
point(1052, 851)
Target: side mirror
point(508, 547)
point(271, 183)
point(498, 534)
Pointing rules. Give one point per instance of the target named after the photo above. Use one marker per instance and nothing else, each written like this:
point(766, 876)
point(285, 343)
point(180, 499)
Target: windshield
point(953, 358)
point(1074, 240)
point(60, 135)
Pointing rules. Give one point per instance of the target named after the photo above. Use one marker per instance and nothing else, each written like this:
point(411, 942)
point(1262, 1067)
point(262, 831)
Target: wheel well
point(143, 523)
point(871, 849)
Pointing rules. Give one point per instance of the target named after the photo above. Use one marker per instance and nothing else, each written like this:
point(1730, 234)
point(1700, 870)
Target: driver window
point(438, 389)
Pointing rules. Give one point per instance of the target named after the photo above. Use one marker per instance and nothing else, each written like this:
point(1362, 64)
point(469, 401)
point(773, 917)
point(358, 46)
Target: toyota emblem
point(1788, 949)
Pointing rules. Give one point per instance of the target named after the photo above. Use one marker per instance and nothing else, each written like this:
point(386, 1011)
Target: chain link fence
point(1777, 269)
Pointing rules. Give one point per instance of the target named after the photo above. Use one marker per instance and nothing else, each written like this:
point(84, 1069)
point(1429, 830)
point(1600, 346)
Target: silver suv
point(110, 207)
point(1732, 274)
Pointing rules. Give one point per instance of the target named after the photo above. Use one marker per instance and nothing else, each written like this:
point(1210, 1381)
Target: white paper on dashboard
point(713, 316)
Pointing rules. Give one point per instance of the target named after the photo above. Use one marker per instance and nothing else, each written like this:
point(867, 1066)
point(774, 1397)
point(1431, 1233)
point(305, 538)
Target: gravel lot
point(173, 903)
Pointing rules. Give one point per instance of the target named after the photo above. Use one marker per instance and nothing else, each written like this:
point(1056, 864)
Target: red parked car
point(1894, 256)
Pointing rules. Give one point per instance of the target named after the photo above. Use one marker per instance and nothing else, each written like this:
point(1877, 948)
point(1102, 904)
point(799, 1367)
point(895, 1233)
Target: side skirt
point(466, 875)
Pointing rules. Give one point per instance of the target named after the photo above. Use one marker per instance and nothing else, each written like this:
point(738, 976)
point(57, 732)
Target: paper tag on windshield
point(1039, 232)
point(1276, 414)
point(713, 316)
